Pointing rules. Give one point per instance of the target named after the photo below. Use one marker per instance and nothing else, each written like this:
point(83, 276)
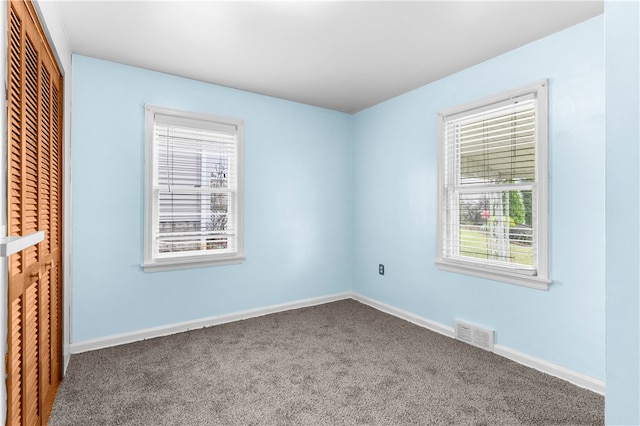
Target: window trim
point(539, 279)
point(151, 264)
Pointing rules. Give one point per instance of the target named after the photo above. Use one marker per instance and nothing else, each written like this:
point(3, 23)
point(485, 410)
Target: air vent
point(474, 335)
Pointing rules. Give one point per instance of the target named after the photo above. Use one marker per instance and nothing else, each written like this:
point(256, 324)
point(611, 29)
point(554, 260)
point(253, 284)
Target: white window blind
point(493, 178)
point(194, 182)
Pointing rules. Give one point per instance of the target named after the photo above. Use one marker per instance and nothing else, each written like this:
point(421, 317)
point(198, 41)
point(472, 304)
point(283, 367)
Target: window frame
point(538, 277)
point(153, 263)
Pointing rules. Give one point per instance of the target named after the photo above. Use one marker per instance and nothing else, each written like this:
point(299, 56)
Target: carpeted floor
point(341, 363)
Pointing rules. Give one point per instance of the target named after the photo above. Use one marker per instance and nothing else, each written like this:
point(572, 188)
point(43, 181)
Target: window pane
point(499, 149)
point(195, 222)
point(495, 226)
point(193, 163)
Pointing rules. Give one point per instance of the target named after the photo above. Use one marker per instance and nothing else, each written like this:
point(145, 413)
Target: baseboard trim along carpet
point(405, 315)
point(150, 333)
point(571, 376)
point(558, 371)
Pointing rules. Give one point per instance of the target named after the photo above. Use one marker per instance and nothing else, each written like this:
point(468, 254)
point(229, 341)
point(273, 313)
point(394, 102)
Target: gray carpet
point(341, 363)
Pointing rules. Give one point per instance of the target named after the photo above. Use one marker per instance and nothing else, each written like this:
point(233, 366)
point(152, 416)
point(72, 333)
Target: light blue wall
point(297, 203)
point(298, 160)
point(395, 204)
point(622, 26)
point(329, 196)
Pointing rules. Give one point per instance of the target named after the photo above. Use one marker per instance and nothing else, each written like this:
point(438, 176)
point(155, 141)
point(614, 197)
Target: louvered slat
point(45, 161)
point(15, 384)
point(14, 118)
point(56, 167)
point(55, 324)
point(45, 328)
point(31, 351)
point(55, 189)
point(15, 378)
point(30, 196)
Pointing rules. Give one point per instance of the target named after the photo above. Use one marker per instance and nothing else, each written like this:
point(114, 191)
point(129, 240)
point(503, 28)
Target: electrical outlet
point(381, 269)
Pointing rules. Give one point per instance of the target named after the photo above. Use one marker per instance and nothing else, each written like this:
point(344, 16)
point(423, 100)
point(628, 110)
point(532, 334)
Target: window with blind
point(492, 195)
point(193, 190)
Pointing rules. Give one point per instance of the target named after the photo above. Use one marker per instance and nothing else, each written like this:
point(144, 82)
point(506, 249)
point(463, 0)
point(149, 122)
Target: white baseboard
point(571, 376)
point(405, 315)
point(150, 333)
point(65, 362)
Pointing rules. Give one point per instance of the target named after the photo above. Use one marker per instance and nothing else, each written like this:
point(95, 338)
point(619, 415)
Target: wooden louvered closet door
point(34, 188)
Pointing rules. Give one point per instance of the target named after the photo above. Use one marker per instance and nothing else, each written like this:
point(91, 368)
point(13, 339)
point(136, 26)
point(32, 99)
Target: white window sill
point(191, 262)
point(530, 281)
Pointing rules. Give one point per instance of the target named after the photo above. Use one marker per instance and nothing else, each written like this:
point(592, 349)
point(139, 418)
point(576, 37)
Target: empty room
point(321, 212)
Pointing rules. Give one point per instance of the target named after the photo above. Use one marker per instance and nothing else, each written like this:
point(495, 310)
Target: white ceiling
point(344, 56)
